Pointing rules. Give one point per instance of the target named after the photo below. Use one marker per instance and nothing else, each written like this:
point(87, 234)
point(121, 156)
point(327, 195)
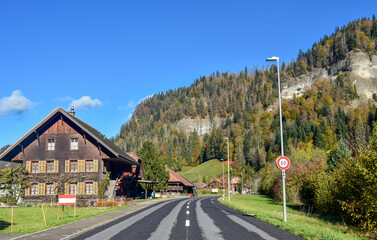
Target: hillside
point(329, 93)
point(206, 171)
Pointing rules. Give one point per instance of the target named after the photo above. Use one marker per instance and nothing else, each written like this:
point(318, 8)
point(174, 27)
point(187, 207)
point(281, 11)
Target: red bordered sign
point(67, 199)
point(283, 163)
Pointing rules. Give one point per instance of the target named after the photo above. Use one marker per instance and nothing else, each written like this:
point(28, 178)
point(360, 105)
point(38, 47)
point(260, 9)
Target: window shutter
point(95, 188)
point(41, 188)
point(55, 188)
point(80, 188)
point(95, 165)
point(27, 191)
point(28, 167)
point(81, 166)
point(42, 166)
point(66, 165)
point(56, 166)
point(66, 188)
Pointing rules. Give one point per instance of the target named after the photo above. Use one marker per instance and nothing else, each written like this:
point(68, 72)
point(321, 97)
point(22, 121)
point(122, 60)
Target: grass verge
point(28, 220)
point(307, 226)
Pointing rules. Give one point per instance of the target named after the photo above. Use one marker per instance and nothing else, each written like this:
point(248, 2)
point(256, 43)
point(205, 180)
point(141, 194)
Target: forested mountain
point(246, 102)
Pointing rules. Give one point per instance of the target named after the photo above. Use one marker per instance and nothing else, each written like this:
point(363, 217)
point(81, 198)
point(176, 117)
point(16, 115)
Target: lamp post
point(223, 180)
point(227, 140)
point(273, 59)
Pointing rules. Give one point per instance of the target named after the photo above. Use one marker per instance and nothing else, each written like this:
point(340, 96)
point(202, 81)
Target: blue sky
point(106, 56)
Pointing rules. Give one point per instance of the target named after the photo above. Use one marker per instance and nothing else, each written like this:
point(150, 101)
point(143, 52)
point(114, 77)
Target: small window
point(50, 166)
point(49, 188)
point(89, 188)
point(74, 144)
point(34, 166)
point(73, 188)
point(89, 165)
point(34, 189)
point(73, 166)
point(51, 145)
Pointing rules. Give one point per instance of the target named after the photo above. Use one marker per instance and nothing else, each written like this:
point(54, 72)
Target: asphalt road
point(192, 218)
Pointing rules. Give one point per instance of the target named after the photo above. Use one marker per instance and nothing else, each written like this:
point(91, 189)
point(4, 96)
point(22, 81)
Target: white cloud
point(85, 102)
point(16, 104)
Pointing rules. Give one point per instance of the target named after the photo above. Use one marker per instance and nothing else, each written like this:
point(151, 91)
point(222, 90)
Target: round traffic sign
point(283, 163)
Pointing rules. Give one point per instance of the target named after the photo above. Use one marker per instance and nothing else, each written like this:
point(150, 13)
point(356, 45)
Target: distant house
point(65, 155)
point(178, 184)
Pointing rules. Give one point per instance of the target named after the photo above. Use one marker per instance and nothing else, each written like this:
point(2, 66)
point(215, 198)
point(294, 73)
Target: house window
point(74, 144)
point(89, 188)
point(34, 189)
point(89, 165)
point(50, 166)
point(49, 188)
point(73, 166)
point(51, 145)
point(73, 188)
point(34, 166)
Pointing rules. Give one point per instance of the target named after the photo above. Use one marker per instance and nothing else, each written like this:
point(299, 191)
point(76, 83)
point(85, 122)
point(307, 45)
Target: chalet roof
point(175, 177)
point(94, 133)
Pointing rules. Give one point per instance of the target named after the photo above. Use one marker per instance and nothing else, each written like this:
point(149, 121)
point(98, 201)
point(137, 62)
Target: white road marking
point(187, 212)
point(187, 223)
point(115, 229)
point(163, 230)
point(209, 230)
point(248, 226)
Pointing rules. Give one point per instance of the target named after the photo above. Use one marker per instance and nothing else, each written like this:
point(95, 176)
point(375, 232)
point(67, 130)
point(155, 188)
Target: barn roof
point(175, 177)
point(89, 130)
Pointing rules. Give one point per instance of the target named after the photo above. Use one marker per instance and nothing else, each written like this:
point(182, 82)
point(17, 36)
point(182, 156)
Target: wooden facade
point(64, 155)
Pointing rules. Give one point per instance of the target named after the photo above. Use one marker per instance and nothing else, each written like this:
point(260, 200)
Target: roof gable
point(89, 130)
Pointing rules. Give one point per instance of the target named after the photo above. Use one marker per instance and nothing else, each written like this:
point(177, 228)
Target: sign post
point(68, 200)
point(283, 164)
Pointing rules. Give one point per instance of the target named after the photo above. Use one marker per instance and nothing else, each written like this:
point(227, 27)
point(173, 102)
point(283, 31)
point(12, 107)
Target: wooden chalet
point(65, 155)
point(178, 184)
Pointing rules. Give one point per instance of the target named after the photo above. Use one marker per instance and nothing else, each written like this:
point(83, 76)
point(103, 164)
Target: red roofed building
point(177, 183)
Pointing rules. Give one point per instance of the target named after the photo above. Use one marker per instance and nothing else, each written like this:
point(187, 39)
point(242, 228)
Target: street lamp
point(223, 180)
point(227, 140)
point(273, 59)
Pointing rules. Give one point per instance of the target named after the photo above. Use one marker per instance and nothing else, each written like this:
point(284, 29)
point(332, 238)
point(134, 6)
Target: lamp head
point(272, 59)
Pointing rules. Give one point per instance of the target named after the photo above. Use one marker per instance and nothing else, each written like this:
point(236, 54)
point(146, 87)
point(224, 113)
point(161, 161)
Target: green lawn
point(307, 226)
point(27, 220)
point(212, 168)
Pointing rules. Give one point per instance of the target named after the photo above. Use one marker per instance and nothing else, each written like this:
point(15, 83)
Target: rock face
point(202, 126)
point(362, 69)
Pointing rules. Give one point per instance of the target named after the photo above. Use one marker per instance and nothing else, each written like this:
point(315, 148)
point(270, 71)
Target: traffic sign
point(283, 163)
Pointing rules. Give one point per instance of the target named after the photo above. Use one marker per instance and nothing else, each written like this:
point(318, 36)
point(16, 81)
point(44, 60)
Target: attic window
point(51, 145)
point(74, 144)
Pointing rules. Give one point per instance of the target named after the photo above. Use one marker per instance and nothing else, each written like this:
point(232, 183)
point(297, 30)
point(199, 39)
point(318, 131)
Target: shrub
point(26, 204)
point(103, 203)
point(8, 200)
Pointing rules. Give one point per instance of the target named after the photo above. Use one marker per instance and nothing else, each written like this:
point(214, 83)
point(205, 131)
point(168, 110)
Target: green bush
point(26, 204)
point(8, 200)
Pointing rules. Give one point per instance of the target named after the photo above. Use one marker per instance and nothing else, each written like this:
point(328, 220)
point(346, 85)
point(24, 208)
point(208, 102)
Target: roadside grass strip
point(30, 219)
point(307, 226)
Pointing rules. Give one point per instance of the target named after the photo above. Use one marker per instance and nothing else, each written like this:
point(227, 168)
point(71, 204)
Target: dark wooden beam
point(39, 142)
point(23, 152)
point(61, 119)
point(99, 149)
point(83, 133)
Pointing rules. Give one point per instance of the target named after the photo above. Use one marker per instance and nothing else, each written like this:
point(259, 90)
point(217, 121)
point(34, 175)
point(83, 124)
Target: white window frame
point(74, 144)
point(51, 144)
point(89, 188)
